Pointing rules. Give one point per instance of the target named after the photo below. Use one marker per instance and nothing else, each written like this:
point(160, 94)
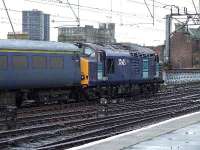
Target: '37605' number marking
point(121, 62)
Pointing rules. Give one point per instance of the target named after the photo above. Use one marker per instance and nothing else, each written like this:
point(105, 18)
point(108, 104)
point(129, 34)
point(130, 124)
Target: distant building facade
point(104, 34)
point(46, 27)
point(185, 48)
point(18, 35)
point(36, 24)
point(159, 51)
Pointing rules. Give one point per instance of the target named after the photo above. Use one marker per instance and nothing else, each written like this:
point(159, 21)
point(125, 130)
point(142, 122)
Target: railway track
point(39, 115)
point(117, 128)
point(83, 124)
point(81, 112)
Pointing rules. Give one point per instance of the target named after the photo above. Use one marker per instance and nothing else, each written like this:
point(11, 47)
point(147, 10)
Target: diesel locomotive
point(60, 72)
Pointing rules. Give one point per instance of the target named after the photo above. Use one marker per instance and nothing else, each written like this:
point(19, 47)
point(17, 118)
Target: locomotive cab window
point(89, 52)
point(3, 62)
point(20, 62)
point(110, 66)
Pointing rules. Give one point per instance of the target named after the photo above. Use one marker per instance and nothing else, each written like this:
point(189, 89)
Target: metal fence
point(181, 76)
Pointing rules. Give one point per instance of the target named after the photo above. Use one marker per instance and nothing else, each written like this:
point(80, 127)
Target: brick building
point(159, 51)
point(185, 48)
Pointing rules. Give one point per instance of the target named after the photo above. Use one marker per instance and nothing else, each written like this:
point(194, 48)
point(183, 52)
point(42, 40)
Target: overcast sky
point(132, 18)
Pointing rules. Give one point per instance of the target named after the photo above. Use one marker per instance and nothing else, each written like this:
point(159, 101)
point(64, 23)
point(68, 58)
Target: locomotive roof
point(37, 45)
point(122, 49)
point(133, 48)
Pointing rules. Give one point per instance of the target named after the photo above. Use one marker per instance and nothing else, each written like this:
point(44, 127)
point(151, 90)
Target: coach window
point(89, 52)
point(39, 62)
point(20, 62)
point(110, 65)
point(56, 62)
point(3, 62)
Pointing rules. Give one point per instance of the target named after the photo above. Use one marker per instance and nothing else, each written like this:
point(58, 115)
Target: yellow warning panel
point(84, 72)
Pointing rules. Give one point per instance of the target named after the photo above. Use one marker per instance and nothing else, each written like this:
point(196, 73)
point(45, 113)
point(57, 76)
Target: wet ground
point(187, 138)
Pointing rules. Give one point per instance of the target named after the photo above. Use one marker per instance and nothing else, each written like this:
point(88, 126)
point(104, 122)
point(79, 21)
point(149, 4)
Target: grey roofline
point(112, 51)
point(37, 45)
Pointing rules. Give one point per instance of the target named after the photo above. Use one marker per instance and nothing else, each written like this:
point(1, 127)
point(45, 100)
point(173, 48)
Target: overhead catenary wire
point(76, 16)
point(122, 13)
point(57, 19)
point(10, 21)
point(194, 6)
point(195, 9)
point(89, 8)
point(151, 13)
point(102, 9)
point(142, 3)
point(136, 25)
point(148, 9)
point(98, 10)
point(68, 19)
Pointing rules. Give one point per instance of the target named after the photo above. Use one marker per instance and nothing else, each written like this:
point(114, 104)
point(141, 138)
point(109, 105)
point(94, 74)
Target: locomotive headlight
point(82, 77)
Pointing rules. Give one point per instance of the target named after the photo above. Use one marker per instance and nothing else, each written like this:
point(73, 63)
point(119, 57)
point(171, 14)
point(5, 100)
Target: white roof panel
point(37, 45)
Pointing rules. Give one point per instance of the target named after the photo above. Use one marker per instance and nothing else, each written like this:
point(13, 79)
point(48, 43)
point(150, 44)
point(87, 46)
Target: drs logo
point(121, 62)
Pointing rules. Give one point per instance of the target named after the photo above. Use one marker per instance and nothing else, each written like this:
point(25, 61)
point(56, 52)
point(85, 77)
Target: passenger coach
point(36, 65)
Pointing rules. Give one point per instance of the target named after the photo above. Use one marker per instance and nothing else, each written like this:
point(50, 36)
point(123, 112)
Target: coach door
point(100, 65)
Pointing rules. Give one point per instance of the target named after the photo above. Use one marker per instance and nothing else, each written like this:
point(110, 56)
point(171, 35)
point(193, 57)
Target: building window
point(3, 62)
point(110, 65)
point(20, 62)
point(39, 62)
point(56, 62)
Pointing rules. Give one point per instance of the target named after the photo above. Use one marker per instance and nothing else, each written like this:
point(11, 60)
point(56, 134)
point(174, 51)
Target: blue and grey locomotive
point(119, 67)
